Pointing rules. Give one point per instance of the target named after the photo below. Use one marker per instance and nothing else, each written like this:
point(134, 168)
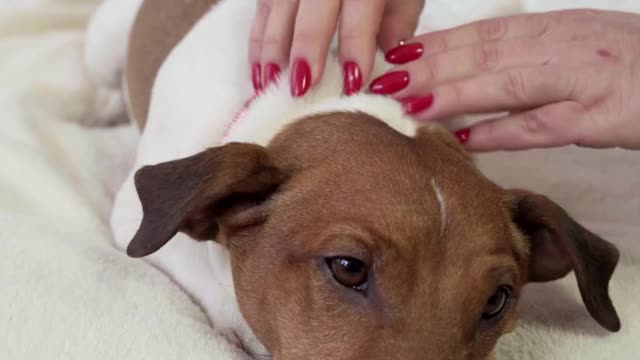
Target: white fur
point(107, 40)
point(442, 204)
point(276, 108)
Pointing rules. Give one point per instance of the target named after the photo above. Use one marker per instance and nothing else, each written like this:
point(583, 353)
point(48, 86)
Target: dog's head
point(350, 240)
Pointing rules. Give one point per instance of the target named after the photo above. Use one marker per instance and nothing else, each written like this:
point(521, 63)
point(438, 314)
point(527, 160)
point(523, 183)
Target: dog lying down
point(327, 226)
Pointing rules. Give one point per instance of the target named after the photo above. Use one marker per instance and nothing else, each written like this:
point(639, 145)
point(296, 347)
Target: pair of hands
point(565, 77)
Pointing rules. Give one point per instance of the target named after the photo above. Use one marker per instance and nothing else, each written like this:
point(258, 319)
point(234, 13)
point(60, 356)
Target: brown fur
point(158, 28)
point(346, 184)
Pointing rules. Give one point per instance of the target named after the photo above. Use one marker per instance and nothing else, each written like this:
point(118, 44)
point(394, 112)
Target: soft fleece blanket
point(66, 293)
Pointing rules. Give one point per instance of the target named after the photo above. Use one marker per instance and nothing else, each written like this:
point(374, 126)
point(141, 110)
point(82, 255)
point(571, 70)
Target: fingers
point(514, 89)
point(359, 25)
point(255, 42)
point(551, 125)
point(277, 38)
point(399, 23)
point(566, 25)
point(483, 58)
point(299, 33)
point(526, 25)
point(315, 25)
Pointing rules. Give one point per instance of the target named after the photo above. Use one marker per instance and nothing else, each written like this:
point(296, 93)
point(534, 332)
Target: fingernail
point(271, 73)
point(390, 82)
point(404, 53)
point(256, 76)
point(463, 135)
point(352, 78)
point(300, 77)
point(417, 104)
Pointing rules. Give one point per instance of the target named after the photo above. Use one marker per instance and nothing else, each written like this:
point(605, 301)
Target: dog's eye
point(349, 272)
point(497, 303)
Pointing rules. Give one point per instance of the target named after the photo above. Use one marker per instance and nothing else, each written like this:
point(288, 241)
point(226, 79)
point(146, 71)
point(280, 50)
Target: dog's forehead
point(359, 169)
point(339, 136)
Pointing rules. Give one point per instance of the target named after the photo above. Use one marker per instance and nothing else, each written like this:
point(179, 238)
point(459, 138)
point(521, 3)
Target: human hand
point(299, 32)
point(566, 77)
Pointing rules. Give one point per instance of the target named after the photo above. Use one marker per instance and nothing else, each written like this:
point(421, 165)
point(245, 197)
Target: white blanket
point(66, 293)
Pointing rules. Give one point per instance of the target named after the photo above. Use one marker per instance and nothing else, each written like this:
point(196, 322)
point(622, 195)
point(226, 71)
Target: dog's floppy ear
point(558, 244)
point(191, 194)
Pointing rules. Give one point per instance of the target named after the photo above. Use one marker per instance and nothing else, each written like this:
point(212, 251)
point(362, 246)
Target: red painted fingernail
point(404, 53)
point(300, 77)
point(256, 76)
point(352, 78)
point(463, 135)
point(390, 82)
point(417, 104)
point(271, 73)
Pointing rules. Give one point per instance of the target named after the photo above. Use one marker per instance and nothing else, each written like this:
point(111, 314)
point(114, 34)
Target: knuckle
point(264, 6)
point(306, 37)
point(432, 70)
point(271, 41)
point(255, 40)
point(539, 24)
point(570, 109)
point(255, 49)
point(439, 43)
point(487, 56)
point(492, 129)
point(515, 85)
point(457, 93)
point(494, 29)
point(353, 36)
point(533, 122)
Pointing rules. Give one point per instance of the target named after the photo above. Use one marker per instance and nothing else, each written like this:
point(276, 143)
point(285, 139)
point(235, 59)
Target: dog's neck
point(274, 108)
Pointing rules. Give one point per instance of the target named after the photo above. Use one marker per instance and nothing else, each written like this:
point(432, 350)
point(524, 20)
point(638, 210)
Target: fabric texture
point(67, 293)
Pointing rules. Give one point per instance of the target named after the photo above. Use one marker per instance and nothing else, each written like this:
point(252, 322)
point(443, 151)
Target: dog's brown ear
point(558, 244)
point(191, 194)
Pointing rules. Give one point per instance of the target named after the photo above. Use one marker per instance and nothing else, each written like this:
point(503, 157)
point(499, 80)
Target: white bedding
point(66, 293)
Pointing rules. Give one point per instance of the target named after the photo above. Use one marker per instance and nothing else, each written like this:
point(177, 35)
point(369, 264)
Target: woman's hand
point(299, 32)
point(567, 77)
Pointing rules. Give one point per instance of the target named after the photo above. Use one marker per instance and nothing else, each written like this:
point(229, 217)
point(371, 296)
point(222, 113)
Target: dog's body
point(187, 77)
point(203, 270)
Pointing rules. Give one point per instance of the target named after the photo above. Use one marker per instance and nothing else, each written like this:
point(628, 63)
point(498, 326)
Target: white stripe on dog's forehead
point(442, 204)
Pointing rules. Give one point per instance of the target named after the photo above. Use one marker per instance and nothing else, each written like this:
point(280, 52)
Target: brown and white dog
point(326, 226)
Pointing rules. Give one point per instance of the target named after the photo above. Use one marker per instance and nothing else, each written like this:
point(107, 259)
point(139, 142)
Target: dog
point(325, 226)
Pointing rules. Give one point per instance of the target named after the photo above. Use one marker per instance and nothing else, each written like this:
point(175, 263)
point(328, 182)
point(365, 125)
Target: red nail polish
point(390, 83)
point(463, 135)
point(256, 76)
point(271, 73)
point(300, 77)
point(404, 53)
point(352, 78)
point(416, 104)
